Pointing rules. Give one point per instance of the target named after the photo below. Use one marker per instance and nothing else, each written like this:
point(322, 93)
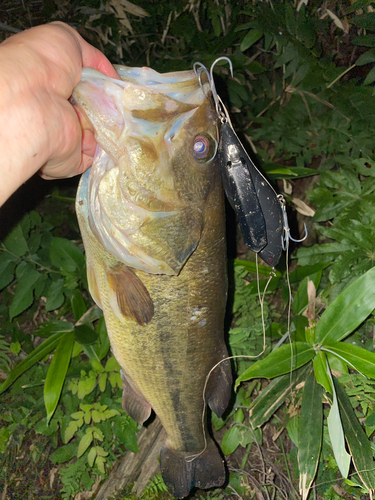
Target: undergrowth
point(302, 100)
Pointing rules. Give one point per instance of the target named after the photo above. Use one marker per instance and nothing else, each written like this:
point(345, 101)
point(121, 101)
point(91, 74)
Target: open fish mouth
point(151, 175)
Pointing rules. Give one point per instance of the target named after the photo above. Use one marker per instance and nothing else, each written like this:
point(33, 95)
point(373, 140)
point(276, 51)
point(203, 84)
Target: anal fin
point(133, 402)
point(181, 473)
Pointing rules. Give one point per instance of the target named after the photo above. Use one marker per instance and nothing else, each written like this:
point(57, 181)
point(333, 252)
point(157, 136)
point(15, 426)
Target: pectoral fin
point(133, 299)
point(133, 401)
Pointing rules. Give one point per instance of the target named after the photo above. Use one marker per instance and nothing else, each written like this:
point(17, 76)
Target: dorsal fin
point(133, 298)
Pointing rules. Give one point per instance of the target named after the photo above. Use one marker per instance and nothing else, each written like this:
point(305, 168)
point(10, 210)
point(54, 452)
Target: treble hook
point(202, 68)
point(286, 236)
point(217, 100)
point(220, 108)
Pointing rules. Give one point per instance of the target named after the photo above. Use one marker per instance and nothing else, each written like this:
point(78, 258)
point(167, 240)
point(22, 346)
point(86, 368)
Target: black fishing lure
point(255, 202)
point(258, 208)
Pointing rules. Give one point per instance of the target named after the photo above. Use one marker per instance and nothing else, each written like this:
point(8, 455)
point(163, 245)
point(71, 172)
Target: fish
point(151, 215)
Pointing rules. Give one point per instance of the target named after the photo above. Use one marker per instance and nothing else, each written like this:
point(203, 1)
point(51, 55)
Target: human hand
point(40, 129)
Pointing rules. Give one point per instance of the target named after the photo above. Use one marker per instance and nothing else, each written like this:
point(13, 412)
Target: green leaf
point(85, 335)
point(47, 430)
point(364, 40)
point(85, 442)
point(23, 298)
point(33, 242)
point(356, 357)
point(78, 305)
point(290, 19)
point(57, 372)
point(310, 433)
point(348, 310)
point(97, 433)
point(71, 430)
point(290, 172)
point(115, 379)
point(359, 445)
point(50, 327)
point(293, 428)
point(302, 272)
point(35, 218)
point(255, 68)
point(103, 338)
point(90, 316)
point(15, 242)
point(336, 435)
point(101, 452)
point(370, 78)
point(300, 74)
point(7, 267)
point(231, 440)
point(65, 255)
point(273, 396)
point(64, 453)
point(54, 295)
point(124, 429)
point(336, 364)
point(90, 351)
point(112, 365)
point(366, 58)
point(251, 267)
point(320, 370)
point(102, 381)
point(91, 456)
point(216, 25)
point(96, 364)
point(85, 386)
point(36, 355)
point(305, 27)
point(279, 361)
point(100, 461)
point(239, 416)
point(250, 38)
point(365, 166)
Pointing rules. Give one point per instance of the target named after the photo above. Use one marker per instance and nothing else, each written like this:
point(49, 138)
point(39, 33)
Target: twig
point(165, 32)
point(341, 75)
point(5, 27)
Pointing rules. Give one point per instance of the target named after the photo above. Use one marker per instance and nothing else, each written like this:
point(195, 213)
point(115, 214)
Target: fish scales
point(155, 247)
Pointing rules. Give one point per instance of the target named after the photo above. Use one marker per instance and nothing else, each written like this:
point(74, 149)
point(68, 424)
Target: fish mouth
point(146, 190)
point(183, 86)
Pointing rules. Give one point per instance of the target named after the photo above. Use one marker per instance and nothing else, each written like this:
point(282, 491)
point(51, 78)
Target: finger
point(88, 143)
point(91, 57)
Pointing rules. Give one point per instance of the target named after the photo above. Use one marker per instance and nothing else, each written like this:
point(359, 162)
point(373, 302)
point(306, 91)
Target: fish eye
point(200, 147)
point(204, 148)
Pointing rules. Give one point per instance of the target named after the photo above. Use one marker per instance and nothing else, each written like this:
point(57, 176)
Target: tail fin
point(180, 474)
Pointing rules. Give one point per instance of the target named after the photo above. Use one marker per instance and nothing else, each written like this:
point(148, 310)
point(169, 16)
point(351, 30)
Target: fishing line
point(191, 458)
point(223, 116)
point(286, 238)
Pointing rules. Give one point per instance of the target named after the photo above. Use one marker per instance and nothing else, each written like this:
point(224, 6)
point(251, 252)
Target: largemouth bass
point(151, 215)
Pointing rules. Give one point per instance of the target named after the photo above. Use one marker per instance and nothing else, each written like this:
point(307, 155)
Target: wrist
point(22, 139)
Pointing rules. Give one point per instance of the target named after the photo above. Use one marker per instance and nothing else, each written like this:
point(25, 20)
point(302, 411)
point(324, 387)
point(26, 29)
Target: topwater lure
point(260, 211)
